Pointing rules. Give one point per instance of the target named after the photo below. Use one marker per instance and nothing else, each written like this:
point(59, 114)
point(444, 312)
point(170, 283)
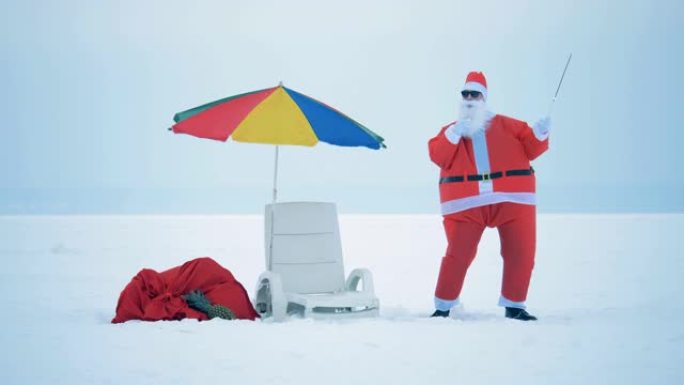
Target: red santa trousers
point(516, 224)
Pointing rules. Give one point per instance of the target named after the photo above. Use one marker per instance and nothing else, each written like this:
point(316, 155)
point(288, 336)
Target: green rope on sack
point(199, 302)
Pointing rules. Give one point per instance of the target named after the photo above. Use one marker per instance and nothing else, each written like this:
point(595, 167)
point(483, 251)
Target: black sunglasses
point(473, 94)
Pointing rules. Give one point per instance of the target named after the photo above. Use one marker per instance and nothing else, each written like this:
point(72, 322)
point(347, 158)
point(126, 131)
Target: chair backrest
point(303, 246)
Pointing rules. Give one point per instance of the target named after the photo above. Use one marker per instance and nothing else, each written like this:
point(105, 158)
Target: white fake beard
point(476, 112)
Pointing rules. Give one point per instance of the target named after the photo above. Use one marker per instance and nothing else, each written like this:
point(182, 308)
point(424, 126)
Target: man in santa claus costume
point(486, 181)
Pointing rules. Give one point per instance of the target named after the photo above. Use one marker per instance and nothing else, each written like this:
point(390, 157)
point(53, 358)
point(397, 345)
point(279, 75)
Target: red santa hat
point(475, 81)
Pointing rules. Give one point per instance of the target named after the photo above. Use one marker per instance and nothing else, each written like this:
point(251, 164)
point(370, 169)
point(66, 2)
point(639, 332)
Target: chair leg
point(270, 298)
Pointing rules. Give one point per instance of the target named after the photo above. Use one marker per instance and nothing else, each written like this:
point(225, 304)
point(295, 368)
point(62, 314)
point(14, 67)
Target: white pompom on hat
point(476, 81)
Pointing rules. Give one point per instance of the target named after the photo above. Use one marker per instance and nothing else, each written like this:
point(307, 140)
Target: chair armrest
point(363, 275)
point(269, 293)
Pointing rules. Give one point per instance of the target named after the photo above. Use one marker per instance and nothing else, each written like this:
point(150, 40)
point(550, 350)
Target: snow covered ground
point(607, 289)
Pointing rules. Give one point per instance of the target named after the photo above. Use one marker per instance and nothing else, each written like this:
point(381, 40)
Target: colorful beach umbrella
point(278, 116)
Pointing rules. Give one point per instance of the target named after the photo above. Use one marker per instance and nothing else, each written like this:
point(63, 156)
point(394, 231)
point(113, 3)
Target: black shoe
point(440, 313)
point(519, 314)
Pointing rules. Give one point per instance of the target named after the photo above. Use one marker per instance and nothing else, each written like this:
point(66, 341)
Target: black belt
point(490, 176)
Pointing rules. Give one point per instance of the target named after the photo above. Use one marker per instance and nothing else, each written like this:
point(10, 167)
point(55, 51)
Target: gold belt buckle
point(486, 176)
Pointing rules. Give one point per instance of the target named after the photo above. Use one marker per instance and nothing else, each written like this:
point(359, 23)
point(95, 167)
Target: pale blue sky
point(89, 88)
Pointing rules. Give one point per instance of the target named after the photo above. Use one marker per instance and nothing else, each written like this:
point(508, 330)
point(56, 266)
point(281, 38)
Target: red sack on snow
point(153, 296)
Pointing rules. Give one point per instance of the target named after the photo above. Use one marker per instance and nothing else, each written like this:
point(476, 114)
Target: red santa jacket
point(491, 167)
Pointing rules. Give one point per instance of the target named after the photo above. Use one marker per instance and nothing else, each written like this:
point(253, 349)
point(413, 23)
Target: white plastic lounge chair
point(305, 273)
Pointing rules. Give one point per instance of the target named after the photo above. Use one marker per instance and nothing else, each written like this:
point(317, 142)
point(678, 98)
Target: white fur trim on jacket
point(462, 204)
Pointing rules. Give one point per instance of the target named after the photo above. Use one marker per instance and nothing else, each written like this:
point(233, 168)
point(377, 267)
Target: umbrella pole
point(275, 197)
point(275, 176)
